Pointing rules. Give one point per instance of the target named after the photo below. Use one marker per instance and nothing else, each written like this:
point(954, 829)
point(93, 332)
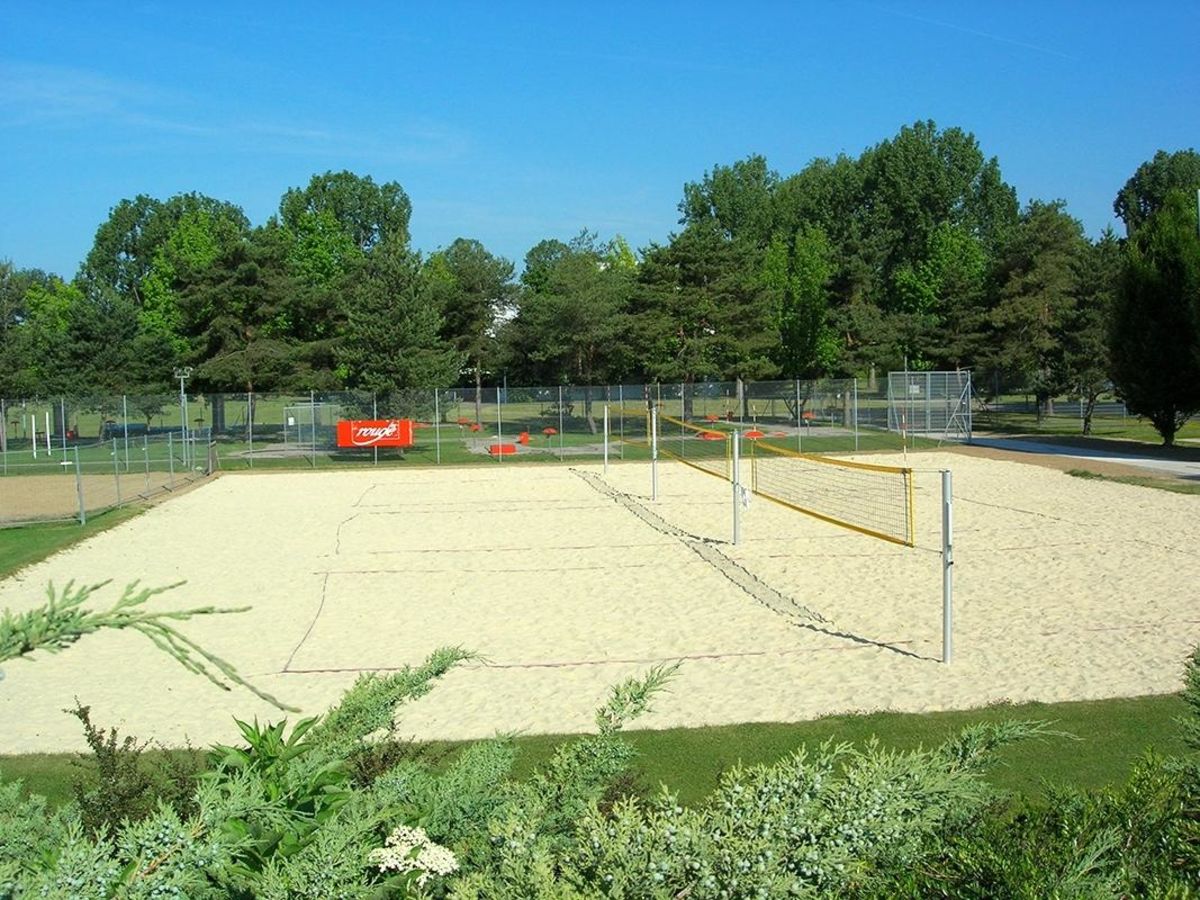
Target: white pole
point(499, 427)
point(737, 489)
point(33, 431)
point(653, 452)
point(560, 423)
point(312, 421)
point(947, 567)
point(437, 429)
point(62, 406)
point(49, 448)
point(606, 439)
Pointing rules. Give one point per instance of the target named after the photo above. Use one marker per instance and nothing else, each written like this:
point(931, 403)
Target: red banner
point(375, 433)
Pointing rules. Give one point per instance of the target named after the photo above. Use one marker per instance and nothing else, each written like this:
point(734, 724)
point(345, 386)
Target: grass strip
point(1109, 736)
point(28, 544)
point(1161, 484)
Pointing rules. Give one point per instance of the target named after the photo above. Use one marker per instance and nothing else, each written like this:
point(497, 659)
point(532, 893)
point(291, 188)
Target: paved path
point(1175, 467)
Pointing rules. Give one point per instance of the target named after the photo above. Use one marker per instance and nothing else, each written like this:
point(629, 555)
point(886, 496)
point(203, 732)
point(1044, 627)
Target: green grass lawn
point(1106, 428)
point(20, 547)
point(1109, 736)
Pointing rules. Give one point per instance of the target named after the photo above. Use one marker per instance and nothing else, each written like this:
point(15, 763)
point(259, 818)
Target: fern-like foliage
point(62, 620)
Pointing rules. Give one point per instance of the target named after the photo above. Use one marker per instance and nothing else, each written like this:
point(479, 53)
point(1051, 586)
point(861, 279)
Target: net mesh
point(874, 500)
point(707, 449)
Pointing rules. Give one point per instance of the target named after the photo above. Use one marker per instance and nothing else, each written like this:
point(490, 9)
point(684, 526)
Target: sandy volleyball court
point(566, 581)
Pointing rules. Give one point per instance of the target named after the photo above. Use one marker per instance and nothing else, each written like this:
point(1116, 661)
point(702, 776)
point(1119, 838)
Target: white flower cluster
point(411, 850)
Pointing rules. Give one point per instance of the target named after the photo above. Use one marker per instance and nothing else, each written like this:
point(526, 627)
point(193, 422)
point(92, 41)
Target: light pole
point(183, 374)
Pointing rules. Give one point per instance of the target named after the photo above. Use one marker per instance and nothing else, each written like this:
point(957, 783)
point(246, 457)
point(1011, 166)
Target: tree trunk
point(218, 413)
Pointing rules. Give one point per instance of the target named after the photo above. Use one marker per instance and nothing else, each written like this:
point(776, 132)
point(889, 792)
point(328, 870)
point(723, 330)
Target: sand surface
point(567, 582)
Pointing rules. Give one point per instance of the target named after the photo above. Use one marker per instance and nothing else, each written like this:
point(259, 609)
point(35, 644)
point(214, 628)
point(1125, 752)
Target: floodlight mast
point(183, 373)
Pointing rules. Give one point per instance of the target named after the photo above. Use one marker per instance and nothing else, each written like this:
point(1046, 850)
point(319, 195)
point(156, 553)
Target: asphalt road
point(1176, 468)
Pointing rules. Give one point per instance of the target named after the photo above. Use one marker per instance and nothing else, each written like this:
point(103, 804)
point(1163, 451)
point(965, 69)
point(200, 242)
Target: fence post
point(146, 458)
point(117, 470)
point(799, 420)
point(499, 426)
point(250, 423)
point(375, 415)
point(621, 415)
point(437, 429)
point(560, 424)
point(125, 420)
point(171, 460)
point(312, 418)
point(79, 490)
point(856, 413)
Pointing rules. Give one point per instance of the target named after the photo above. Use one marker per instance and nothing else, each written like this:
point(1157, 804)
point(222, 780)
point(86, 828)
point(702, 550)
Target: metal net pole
point(437, 428)
point(606, 439)
point(947, 567)
point(737, 488)
point(653, 452)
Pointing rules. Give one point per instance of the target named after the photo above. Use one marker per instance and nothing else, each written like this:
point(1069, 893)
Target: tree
point(1038, 279)
point(368, 213)
point(473, 289)
point(126, 244)
point(1085, 337)
point(392, 335)
point(735, 200)
point(571, 312)
point(798, 279)
point(237, 317)
point(1146, 190)
point(1155, 335)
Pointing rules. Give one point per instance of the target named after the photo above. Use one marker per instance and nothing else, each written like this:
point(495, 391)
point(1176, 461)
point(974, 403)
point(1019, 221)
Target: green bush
point(331, 808)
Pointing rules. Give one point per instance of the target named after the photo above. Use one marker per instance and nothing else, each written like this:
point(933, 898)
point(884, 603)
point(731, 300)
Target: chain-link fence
point(59, 481)
point(165, 438)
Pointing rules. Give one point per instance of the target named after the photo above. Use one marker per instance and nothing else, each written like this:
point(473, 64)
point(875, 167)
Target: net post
point(312, 421)
point(375, 415)
point(125, 421)
point(499, 426)
point(146, 459)
point(947, 567)
point(736, 442)
point(560, 423)
point(49, 448)
point(171, 459)
point(33, 431)
point(79, 489)
point(653, 452)
point(606, 439)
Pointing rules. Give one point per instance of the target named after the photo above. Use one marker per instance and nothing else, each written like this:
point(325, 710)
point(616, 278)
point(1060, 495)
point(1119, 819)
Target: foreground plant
point(62, 620)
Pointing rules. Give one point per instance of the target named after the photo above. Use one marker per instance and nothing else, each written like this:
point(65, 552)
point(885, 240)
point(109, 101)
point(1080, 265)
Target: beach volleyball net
point(708, 449)
point(871, 499)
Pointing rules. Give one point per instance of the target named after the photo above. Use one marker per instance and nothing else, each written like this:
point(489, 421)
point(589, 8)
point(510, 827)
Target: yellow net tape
point(707, 449)
point(872, 499)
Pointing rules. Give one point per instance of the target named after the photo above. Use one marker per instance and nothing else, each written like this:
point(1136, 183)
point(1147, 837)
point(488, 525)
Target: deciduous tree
point(1155, 335)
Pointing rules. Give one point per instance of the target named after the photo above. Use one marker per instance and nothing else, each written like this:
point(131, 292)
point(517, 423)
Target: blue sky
point(511, 123)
